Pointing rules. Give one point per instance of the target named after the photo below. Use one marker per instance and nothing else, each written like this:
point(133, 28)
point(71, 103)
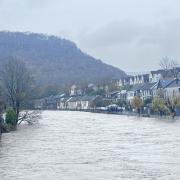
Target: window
point(179, 89)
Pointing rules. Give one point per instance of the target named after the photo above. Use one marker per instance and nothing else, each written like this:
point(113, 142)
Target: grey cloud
point(164, 32)
point(124, 33)
point(120, 33)
point(112, 34)
point(134, 43)
point(26, 4)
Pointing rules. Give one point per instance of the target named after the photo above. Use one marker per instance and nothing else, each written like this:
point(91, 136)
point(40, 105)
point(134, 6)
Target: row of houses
point(147, 79)
point(165, 88)
point(78, 102)
point(156, 83)
point(64, 102)
point(150, 77)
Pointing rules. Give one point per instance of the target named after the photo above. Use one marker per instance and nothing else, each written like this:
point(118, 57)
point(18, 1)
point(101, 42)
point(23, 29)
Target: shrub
point(11, 117)
point(137, 102)
point(159, 105)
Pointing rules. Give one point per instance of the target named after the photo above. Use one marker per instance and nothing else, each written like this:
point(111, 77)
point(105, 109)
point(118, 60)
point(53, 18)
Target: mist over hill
point(55, 61)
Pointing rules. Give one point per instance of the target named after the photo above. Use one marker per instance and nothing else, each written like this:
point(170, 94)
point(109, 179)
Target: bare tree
point(165, 63)
point(168, 65)
point(17, 82)
point(174, 68)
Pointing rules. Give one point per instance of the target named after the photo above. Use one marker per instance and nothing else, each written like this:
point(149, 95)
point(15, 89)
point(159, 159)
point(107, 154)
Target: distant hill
point(55, 61)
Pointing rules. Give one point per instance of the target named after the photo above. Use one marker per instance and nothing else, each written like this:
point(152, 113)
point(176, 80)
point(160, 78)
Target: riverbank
point(123, 113)
point(6, 128)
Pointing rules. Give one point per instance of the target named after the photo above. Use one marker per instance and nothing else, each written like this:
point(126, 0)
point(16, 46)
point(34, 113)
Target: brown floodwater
point(87, 146)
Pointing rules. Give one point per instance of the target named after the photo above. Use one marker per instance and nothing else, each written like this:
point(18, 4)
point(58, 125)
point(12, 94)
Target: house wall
point(131, 81)
point(121, 83)
point(177, 111)
point(71, 105)
point(172, 91)
point(85, 105)
point(61, 105)
point(130, 96)
point(154, 77)
point(146, 94)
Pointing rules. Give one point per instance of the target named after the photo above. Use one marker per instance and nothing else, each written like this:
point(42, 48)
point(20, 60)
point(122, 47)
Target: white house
point(93, 87)
point(123, 95)
point(88, 102)
point(158, 88)
point(61, 104)
point(135, 91)
point(155, 76)
point(73, 103)
point(147, 91)
point(77, 103)
point(138, 79)
point(73, 90)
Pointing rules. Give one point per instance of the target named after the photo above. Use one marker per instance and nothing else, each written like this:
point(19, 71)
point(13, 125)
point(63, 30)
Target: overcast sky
point(130, 34)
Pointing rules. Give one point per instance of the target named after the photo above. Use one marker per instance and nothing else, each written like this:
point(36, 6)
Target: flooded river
point(87, 146)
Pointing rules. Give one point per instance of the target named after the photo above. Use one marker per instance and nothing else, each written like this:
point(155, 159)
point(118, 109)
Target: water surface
point(78, 145)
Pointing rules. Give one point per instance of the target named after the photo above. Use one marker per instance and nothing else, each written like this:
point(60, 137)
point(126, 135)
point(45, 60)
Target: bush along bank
point(9, 123)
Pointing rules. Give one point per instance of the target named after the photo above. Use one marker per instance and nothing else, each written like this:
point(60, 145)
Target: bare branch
point(165, 63)
point(169, 67)
point(16, 82)
point(31, 117)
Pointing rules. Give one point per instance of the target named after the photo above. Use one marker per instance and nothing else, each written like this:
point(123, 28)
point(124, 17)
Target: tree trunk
point(0, 125)
point(139, 112)
point(17, 111)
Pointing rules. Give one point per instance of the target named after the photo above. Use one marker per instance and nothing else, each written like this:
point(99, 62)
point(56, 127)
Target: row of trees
point(159, 105)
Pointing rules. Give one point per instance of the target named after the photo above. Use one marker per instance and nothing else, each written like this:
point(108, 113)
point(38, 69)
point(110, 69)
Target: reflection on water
point(77, 145)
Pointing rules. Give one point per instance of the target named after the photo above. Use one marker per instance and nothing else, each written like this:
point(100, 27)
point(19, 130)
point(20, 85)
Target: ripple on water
point(76, 145)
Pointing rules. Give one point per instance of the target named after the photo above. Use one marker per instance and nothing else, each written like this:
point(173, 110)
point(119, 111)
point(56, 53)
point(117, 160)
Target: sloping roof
point(64, 99)
point(160, 71)
point(114, 92)
point(148, 86)
point(173, 83)
point(137, 87)
point(59, 96)
point(82, 98)
point(162, 83)
point(123, 92)
point(91, 85)
point(74, 99)
point(88, 98)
